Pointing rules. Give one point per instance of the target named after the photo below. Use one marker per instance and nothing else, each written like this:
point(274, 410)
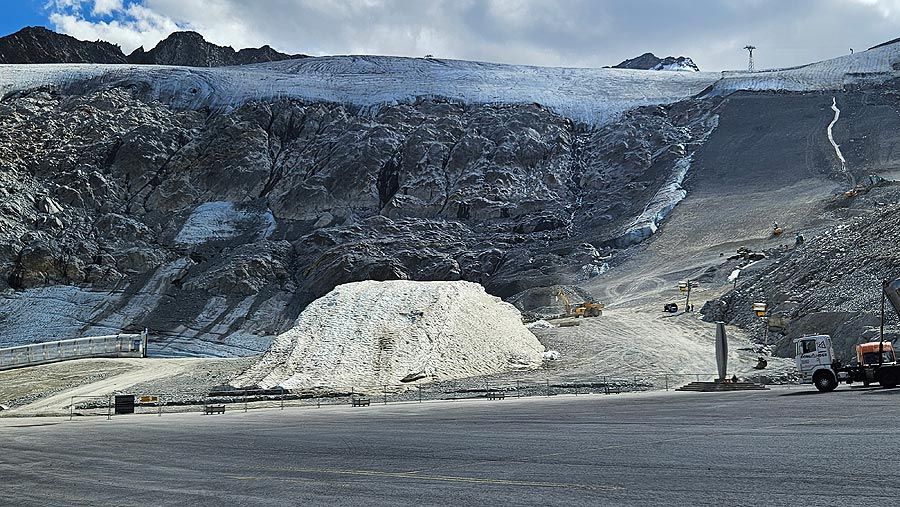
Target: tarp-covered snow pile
point(387, 333)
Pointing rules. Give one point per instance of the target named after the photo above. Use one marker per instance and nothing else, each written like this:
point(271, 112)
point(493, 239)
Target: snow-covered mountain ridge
point(594, 96)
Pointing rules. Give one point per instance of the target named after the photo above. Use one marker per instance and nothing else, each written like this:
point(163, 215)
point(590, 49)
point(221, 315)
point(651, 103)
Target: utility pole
point(750, 48)
point(687, 301)
point(884, 286)
point(685, 288)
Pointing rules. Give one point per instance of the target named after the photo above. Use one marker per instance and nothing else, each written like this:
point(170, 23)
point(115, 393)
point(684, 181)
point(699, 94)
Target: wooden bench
point(360, 402)
point(496, 395)
point(214, 409)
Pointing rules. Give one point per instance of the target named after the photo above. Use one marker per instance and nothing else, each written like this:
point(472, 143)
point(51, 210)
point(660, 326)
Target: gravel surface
point(26, 385)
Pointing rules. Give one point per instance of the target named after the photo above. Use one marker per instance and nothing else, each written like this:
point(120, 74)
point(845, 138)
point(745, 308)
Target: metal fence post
point(667, 381)
point(420, 393)
point(548, 388)
point(109, 407)
point(384, 393)
point(282, 398)
point(518, 392)
point(245, 400)
point(71, 407)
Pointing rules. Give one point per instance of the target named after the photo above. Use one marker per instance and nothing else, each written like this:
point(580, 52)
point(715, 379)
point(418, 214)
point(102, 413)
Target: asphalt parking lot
point(778, 447)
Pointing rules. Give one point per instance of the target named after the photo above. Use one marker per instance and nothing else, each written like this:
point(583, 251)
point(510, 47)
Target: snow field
point(219, 220)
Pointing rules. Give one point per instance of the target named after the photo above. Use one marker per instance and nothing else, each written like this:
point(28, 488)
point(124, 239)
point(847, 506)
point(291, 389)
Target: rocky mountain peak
point(191, 49)
point(649, 61)
point(39, 45)
point(36, 44)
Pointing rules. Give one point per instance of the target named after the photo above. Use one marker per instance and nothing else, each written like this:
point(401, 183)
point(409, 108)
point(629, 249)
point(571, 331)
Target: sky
point(570, 33)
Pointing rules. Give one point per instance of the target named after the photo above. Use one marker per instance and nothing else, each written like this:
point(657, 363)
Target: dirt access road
point(48, 389)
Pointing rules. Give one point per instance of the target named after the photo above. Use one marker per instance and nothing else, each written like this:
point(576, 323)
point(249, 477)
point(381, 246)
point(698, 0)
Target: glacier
point(591, 95)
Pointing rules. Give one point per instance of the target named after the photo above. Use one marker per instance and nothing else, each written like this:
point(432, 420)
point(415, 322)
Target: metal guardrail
point(243, 400)
point(120, 345)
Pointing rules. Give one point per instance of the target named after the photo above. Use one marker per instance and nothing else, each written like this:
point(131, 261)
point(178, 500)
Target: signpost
point(761, 311)
point(124, 404)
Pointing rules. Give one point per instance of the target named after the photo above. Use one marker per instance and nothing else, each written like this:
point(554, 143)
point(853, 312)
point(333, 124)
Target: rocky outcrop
point(649, 61)
point(216, 228)
point(190, 49)
point(40, 45)
point(36, 44)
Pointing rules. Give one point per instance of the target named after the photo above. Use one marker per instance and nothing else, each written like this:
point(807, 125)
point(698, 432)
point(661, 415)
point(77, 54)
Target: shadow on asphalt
point(875, 390)
point(880, 391)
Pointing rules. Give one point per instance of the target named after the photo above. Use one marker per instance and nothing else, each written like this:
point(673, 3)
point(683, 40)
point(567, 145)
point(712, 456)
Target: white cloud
point(538, 32)
point(135, 26)
point(106, 7)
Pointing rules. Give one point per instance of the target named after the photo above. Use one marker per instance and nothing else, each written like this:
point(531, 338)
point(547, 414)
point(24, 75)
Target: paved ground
point(781, 447)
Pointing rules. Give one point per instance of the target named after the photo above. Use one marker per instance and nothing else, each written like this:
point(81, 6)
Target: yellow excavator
point(585, 309)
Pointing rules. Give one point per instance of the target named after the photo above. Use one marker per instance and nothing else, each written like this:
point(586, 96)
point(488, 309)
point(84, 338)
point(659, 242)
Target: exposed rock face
point(649, 61)
point(35, 44)
point(218, 227)
point(40, 45)
point(191, 49)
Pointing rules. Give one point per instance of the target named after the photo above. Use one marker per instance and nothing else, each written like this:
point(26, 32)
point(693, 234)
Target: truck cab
point(815, 360)
point(814, 356)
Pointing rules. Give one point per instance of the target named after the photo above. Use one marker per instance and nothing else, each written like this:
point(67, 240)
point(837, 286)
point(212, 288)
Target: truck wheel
point(824, 381)
point(887, 377)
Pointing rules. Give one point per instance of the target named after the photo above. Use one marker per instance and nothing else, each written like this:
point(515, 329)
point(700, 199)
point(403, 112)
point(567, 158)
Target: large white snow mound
point(384, 333)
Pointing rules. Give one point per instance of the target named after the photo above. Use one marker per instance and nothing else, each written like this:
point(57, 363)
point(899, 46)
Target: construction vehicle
point(815, 359)
point(586, 309)
point(875, 361)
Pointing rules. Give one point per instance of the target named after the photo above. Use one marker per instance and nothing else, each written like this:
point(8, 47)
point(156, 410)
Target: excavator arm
point(561, 296)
